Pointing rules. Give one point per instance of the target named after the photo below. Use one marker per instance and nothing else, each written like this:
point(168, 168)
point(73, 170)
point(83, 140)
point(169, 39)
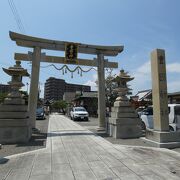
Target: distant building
point(89, 100)
point(69, 96)
point(55, 88)
point(5, 88)
point(144, 98)
point(174, 98)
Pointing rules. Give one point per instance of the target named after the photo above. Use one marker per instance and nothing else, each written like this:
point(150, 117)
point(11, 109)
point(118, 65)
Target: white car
point(79, 113)
point(174, 117)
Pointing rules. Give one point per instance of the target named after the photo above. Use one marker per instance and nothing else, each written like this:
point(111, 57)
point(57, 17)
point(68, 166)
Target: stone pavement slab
point(73, 152)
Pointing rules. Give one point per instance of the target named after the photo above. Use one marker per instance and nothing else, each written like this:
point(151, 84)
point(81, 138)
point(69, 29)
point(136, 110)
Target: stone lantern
point(14, 118)
point(124, 121)
point(122, 87)
point(16, 72)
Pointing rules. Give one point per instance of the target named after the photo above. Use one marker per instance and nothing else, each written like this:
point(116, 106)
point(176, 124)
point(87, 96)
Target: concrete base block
point(15, 115)
point(14, 134)
point(14, 122)
point(124, 115)
point(125, 121)
point(125, 131)
point(162, 139)
point(101, 129)
point(14, 131)
point(14, 101)
point(123, 109)
point(122, 104)
point(12, 108)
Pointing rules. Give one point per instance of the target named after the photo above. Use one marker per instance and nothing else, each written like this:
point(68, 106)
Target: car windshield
point(177, 110)
point(79, 109)
point(39, 110)
point(148, 111)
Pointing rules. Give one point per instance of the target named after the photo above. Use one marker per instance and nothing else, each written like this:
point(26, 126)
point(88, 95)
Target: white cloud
point(92, 84)
point(95, 76)
point(144, 68)
point(173, 68)
point(143, 77)
point(173, 86)
point(41, 90)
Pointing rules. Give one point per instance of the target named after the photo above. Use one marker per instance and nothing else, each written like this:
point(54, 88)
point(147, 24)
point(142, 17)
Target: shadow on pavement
point(37, 139)
point(70, 134)
point(3, 160)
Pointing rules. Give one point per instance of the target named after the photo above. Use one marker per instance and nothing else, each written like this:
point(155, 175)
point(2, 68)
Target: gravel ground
point(92, 125)
point(37, 141)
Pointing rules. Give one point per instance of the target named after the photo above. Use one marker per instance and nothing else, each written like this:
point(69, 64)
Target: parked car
point(139, 110)
point(40, 113)
point(79, 113)
point(174, 117)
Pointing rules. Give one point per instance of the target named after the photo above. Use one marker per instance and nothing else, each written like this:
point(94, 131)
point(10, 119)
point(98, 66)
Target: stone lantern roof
point(16, 70)
point(123, 76)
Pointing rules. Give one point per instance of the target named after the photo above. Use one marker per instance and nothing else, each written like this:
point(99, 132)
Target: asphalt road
point(37, 141)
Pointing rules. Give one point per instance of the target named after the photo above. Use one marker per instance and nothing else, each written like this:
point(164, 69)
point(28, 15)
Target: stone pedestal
point(14, 122)
point(14, 118)
point(124, 121)
point(163, 139)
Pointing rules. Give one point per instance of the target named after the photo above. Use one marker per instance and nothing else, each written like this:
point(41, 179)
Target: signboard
point(71, 53)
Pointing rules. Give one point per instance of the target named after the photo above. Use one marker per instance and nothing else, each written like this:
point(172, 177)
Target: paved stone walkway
point(72, 152)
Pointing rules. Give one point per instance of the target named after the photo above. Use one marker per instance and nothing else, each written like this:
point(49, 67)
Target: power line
point(16, 16)
point(19, 19)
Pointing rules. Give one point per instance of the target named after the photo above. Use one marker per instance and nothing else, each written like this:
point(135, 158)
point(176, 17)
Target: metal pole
point(27, 87)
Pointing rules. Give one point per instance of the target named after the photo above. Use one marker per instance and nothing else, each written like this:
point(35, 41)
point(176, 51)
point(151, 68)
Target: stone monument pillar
point(159, 91)
point(124, 121)
point(14, 118)
point(160, 135)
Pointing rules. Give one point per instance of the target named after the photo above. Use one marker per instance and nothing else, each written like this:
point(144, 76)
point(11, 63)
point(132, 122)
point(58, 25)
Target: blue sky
point(140, 25)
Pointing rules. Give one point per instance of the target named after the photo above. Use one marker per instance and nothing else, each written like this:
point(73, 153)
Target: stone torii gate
point(36, 57)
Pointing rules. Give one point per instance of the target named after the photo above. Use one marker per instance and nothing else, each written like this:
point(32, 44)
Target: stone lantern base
point(124, 121)
point(14, 122)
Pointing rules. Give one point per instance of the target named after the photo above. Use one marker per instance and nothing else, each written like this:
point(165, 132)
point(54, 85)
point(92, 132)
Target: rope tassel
point(65, 68)
point(71, 74)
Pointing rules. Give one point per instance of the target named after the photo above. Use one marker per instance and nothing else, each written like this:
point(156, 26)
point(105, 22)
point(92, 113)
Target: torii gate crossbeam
point(36, 57)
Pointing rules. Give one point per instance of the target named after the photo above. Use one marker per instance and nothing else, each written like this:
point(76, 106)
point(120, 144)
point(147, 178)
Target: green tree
point(60, 105)
point(24, 96)
point(110, 85)
point(2, 97)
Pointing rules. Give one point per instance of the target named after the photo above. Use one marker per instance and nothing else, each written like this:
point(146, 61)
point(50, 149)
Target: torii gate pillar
point(101, 93)
point(33, 94)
